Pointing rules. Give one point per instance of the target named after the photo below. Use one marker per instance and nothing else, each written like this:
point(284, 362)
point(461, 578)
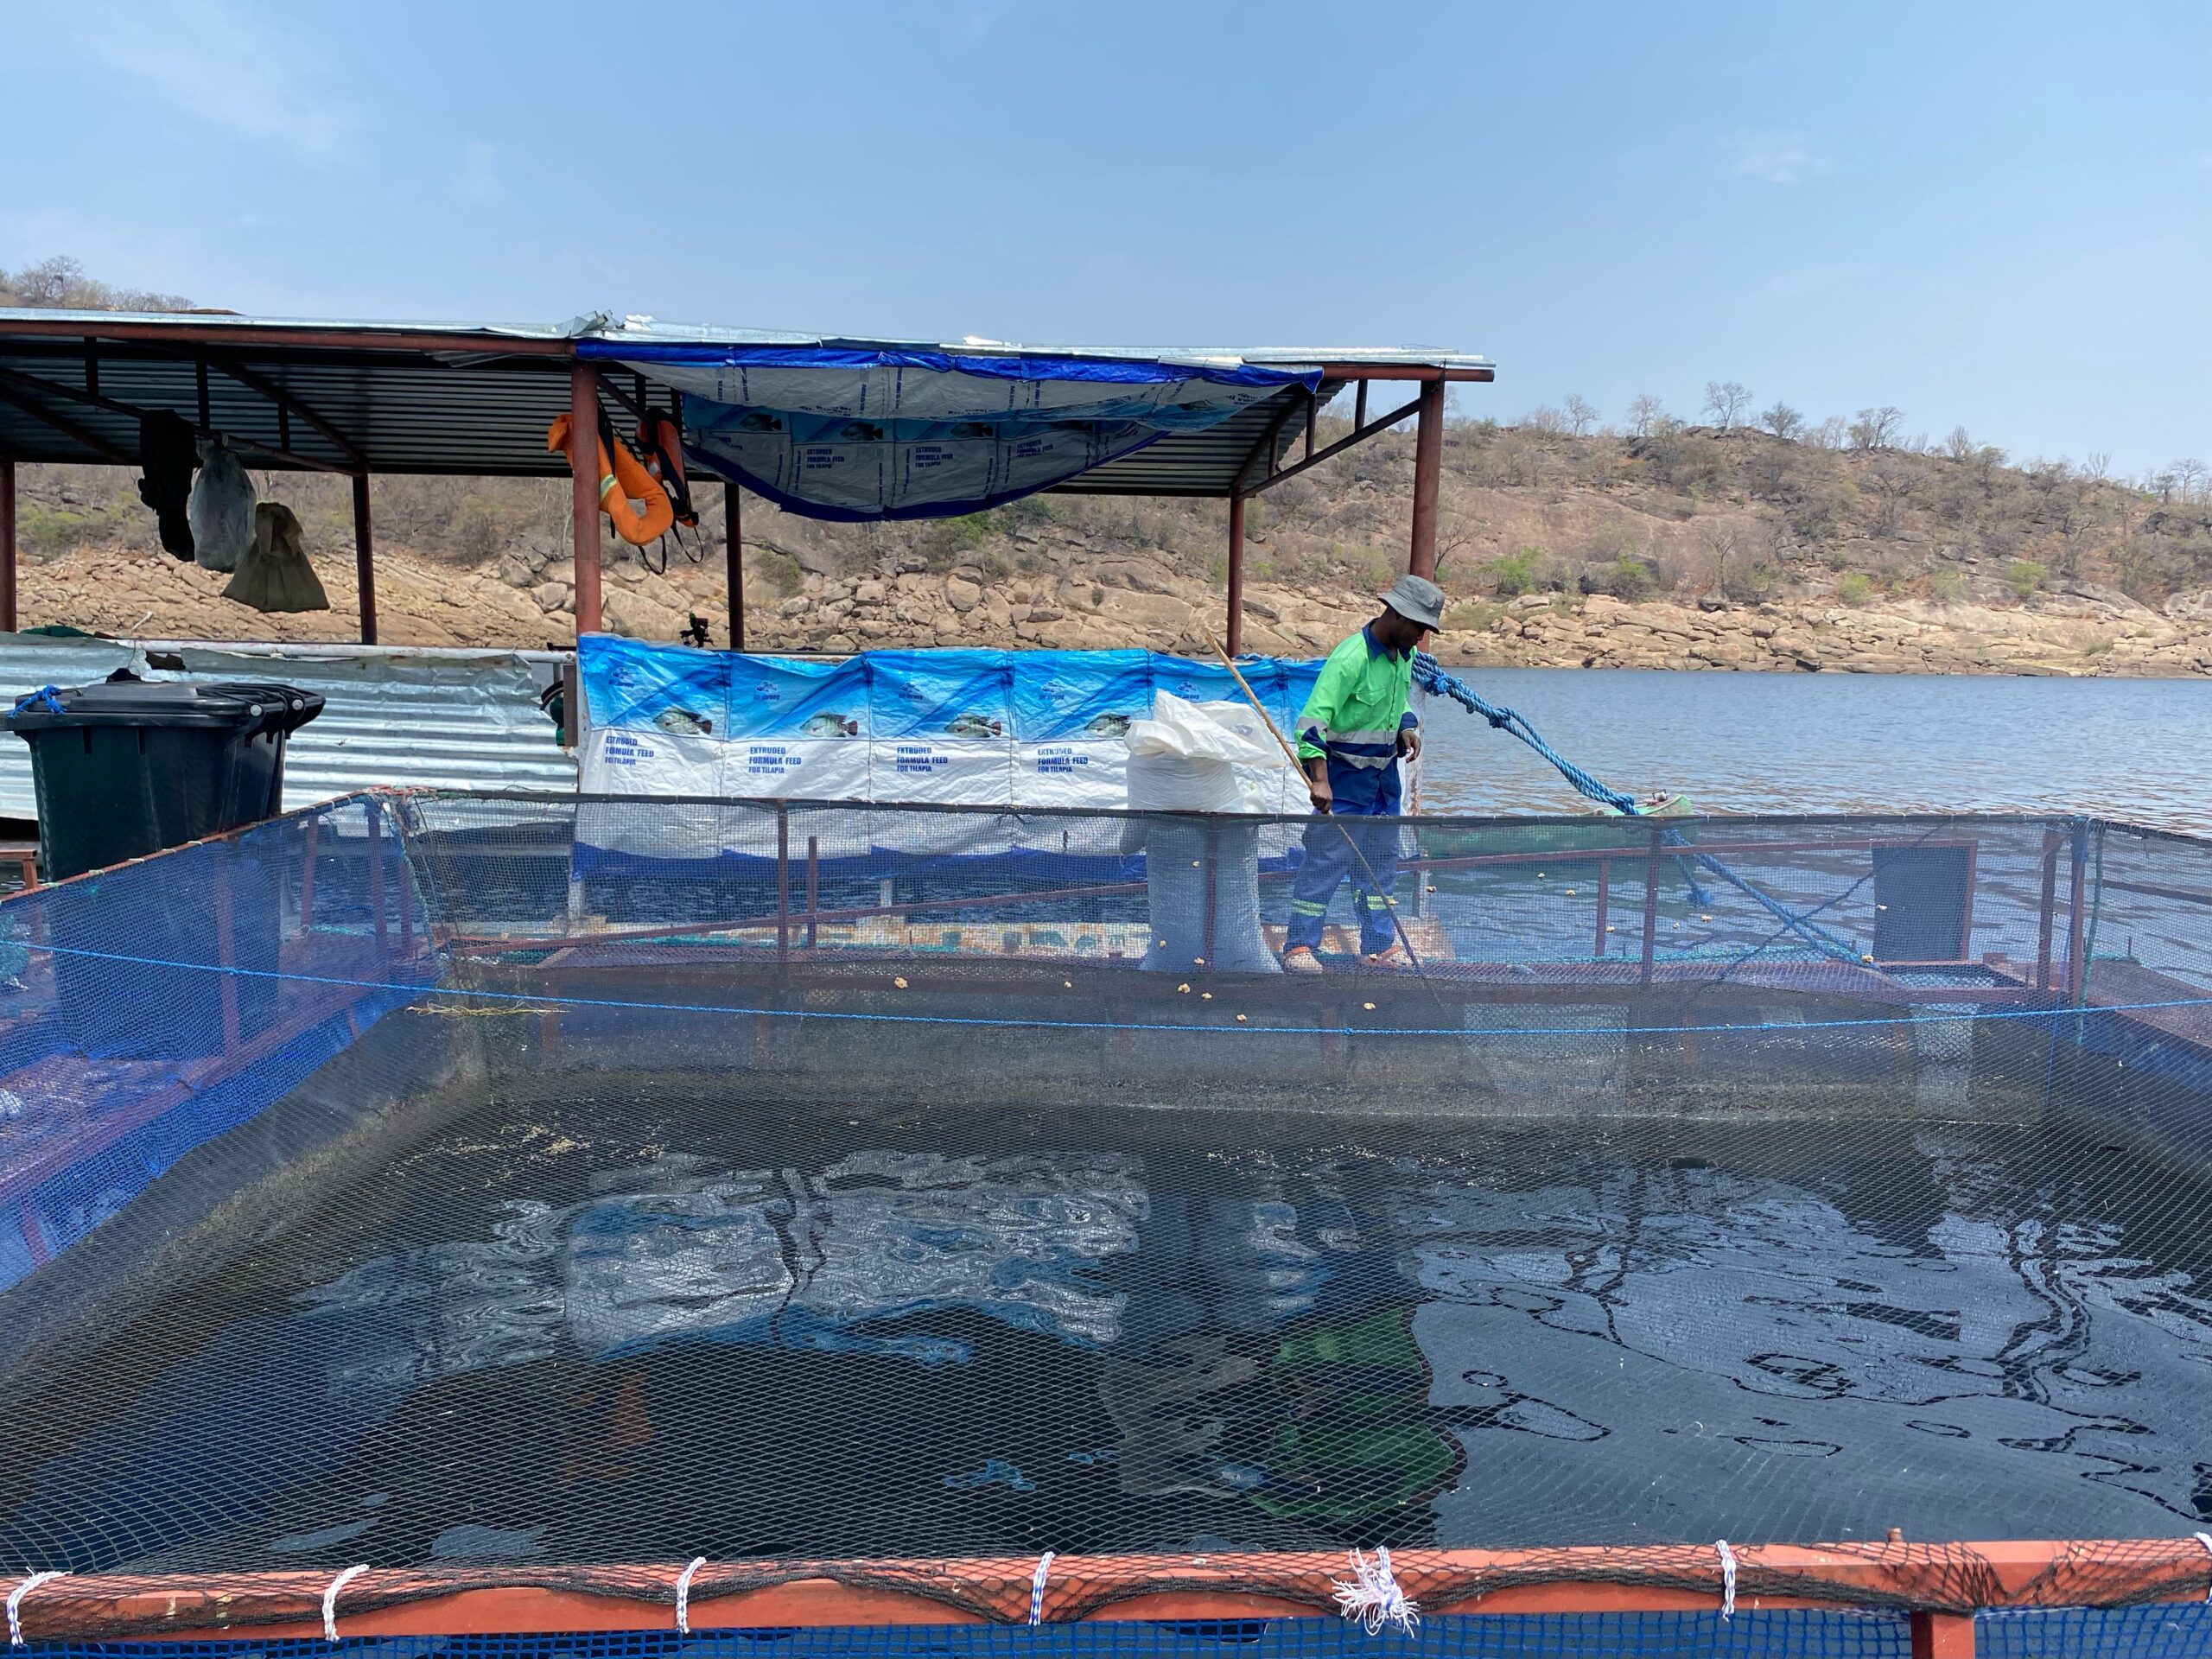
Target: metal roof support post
point(1428, 464)
point(733, 553)
point(7, 543)
point(365, 562)
point(1235, 633)
point(584, 493)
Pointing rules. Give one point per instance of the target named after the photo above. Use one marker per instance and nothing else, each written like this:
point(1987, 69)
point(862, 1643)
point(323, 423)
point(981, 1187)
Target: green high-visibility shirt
point(1358, 705)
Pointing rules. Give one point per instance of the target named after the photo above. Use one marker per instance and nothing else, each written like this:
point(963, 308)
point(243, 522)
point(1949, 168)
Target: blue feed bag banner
point(848, 433)
point(1009, 729)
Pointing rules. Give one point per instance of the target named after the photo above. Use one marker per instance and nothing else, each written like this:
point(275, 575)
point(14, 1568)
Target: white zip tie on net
point(1372, 1597)
point(1037, 1588)
point(2203, 1538)
point(684, 1596)
point(16, 1604)
point(1728, 1577)
point(330, 1599)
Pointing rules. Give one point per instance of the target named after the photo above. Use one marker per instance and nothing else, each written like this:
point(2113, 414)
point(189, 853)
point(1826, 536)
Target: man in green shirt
point(1350, 733)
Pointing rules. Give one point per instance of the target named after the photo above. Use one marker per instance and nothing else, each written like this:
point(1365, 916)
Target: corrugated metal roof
point(474, 400)
point(446, 719)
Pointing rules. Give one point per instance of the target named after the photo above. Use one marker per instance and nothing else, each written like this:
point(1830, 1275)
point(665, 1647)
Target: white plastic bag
point(1184, 758)
point(221, 508)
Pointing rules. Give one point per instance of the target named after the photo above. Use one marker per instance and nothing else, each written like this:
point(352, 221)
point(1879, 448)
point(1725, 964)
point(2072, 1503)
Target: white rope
point(684, 1596)
point(330, 1599)
point(1727, 1579)
point(2203, 1538)
point(1037, 1588)
point(1373, 1597)
point(16, 1604)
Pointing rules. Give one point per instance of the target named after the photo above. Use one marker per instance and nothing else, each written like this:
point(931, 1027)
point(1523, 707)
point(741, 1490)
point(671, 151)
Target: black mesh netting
point(480, 1184)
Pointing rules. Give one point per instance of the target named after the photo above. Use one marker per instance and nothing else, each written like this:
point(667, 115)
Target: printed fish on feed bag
point(943, 724)
point(1072, 717)
point(798, 729)
point(656, 720)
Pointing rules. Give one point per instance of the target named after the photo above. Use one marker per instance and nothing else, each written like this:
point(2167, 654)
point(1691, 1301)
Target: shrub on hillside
point(2025, 576)
point(1515, 574)
point(1625, 578)
point(1854, 587)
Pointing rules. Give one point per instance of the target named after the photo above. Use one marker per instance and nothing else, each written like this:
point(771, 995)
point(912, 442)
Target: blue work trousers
point(1362, 794)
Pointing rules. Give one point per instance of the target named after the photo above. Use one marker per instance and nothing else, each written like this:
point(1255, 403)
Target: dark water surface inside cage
point(636, 1316)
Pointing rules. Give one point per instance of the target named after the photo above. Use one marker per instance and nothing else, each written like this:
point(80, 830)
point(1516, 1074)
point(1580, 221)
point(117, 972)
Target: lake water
point(2136, 750)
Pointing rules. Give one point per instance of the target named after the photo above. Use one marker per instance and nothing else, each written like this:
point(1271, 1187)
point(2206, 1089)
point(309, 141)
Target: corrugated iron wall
point(392, 716)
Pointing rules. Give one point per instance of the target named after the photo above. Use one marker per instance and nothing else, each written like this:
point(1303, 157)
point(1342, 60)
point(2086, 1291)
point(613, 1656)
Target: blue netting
point(473, 1180)
point(2167, 1631)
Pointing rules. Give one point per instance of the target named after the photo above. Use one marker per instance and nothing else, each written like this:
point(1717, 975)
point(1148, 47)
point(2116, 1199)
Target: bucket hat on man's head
point(1417, 600)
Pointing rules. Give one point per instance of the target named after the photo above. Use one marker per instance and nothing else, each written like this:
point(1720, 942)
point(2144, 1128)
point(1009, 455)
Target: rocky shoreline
point(1106, 602)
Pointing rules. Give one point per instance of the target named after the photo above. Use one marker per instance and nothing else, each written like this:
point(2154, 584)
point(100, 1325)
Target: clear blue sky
point(1998, 215)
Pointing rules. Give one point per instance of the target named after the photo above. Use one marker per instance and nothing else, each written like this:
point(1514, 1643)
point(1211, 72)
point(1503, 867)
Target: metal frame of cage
point(1938, 1587)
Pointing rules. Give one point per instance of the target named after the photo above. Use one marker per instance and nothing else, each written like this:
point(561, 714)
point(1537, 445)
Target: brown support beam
point(287, 405)
point(214, 331)
point(7, 543)
point(61, 423)
point(364, 563)
point(1392, 371)
point(1236, 576)
point(56, 389)
point(733, 557)
point(583, 495)
point(1428, 467)
point(1367, 431)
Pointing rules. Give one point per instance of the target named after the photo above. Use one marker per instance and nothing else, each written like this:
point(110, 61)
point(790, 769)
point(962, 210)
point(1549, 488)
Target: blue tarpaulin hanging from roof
point(870, 432)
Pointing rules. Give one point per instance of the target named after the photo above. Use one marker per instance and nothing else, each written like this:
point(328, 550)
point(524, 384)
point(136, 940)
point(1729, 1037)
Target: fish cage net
point(457, 1220)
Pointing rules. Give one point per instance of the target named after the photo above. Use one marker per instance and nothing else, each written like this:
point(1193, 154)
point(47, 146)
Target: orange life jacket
point(661, 441)
point(623, 480)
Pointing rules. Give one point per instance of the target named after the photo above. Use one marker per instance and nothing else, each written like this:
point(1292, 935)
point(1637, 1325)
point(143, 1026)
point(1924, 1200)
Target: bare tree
point(1960, 445)
point(1725, 401)
point(1783, 422)
point(1579, 413)
point(60, 282)
point(2190, 475)
point(2096, 467)
point(1544, 421)
point(1894, 480)
point(1828, 434)
point(1645, 412)
point(1875, 429)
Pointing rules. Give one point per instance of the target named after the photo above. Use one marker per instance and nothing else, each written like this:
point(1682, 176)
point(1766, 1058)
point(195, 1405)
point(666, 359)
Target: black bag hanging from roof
point(168, 449)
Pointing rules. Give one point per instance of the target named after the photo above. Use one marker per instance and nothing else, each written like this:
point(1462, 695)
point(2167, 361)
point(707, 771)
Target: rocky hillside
point(1686, 547)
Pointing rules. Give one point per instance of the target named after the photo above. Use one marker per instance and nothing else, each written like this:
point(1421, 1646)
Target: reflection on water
point(1484, 1336)
point(758, 1256)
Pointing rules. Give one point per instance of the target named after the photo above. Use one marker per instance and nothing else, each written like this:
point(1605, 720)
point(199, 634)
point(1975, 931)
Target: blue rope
point(1430, 675)
point(45, 700)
